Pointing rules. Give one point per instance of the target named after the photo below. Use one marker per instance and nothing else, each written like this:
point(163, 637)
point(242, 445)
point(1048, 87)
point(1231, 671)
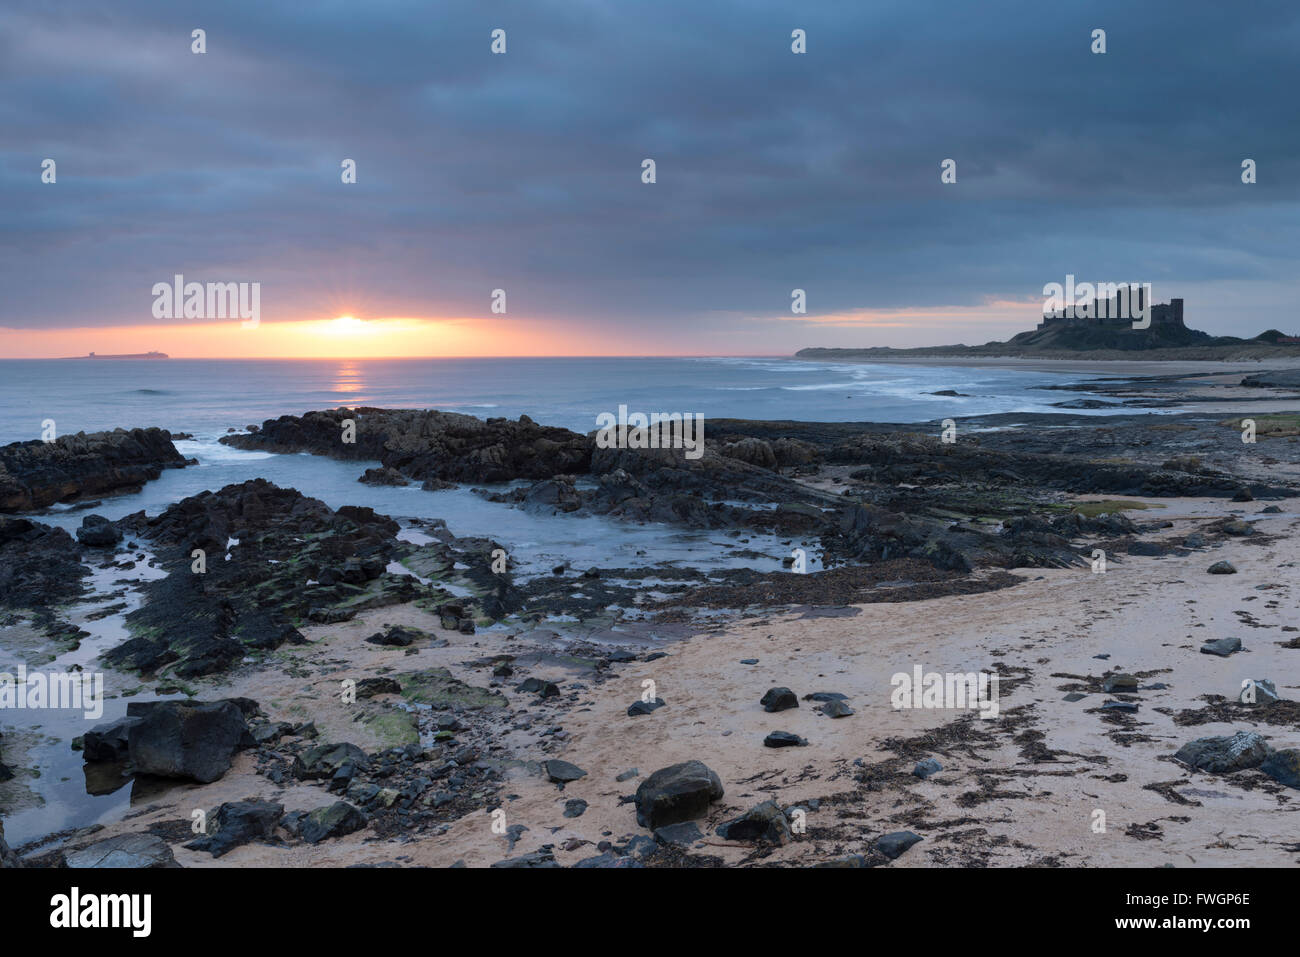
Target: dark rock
point(37, 474)
point(396, 637)
point(680, 792)
point(575, 807)
point(325, 760)
point(236, 823)
point(1283, 767)
point(836, 709)
point(894, 844)
point(562, 772)
point(369, 687)
point(98, 532)
point(7, 857)
point(608, 859)
point(334, 820)
point(1223, 755)
point(927, 768)
point(426, 444)
point(535, 859)
point(108, 742)
point(544, 689)
point(682, 834)
point(1222, 568)
point(784, 739)
point(1122, 683)
point(185, 739)
point(1262, 690)
point(641, 707)
point(1221, 646)
point(765, 822)
point(779, 699)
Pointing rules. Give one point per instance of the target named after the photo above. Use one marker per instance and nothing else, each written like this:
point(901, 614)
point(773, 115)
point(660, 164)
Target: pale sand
point(1150, 615)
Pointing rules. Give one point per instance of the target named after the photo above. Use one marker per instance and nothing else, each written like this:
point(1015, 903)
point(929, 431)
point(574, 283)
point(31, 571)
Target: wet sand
point(1017, 790)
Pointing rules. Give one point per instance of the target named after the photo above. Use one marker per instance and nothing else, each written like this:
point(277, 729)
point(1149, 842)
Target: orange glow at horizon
point(343, 337)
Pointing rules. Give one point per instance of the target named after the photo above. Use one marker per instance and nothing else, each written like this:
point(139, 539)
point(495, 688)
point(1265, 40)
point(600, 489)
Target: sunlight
point(346, 325)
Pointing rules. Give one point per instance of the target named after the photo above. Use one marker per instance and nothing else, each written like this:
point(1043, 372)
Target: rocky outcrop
point(429, 445)
point(39, 565)
point(36, 474)
point(292, 558)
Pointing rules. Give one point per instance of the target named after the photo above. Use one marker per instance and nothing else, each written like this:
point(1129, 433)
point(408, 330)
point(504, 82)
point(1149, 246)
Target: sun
point(347, 324)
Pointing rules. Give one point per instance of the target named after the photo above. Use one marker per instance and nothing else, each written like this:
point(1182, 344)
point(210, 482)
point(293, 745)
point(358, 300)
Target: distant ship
point(134, 355)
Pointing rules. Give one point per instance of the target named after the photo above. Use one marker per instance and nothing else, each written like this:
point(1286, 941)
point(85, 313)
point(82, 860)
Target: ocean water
point(207, 396)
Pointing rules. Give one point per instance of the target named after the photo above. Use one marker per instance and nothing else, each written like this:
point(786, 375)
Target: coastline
point(958, 558)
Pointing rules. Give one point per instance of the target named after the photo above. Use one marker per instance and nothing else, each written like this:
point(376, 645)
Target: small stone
point(779, 699)
point(1119, 683)
point(644, 707)
point(682, 833)
point(1259, 691)
point(1221, 647)
point(836, 709)
point(784, 739)
point(894, 844)
point(1222, 568)
point(575, 807)
point(562, 772)
point(926, 768)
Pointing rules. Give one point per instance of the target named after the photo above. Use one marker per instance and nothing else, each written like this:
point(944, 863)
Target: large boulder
point(680, 792)
point(185, 739)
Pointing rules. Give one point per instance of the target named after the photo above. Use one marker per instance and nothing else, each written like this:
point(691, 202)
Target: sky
point(522, 171)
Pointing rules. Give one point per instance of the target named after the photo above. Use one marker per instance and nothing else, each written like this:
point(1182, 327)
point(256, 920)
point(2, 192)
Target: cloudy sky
point(523, 171)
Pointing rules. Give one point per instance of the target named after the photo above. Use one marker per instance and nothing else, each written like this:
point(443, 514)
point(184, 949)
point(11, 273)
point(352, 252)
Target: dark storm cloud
point(523, 171)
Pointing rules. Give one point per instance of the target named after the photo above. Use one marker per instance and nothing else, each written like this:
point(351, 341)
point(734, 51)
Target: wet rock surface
point(37, 474)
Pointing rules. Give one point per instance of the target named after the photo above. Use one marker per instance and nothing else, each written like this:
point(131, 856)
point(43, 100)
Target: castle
point(1121, 309)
